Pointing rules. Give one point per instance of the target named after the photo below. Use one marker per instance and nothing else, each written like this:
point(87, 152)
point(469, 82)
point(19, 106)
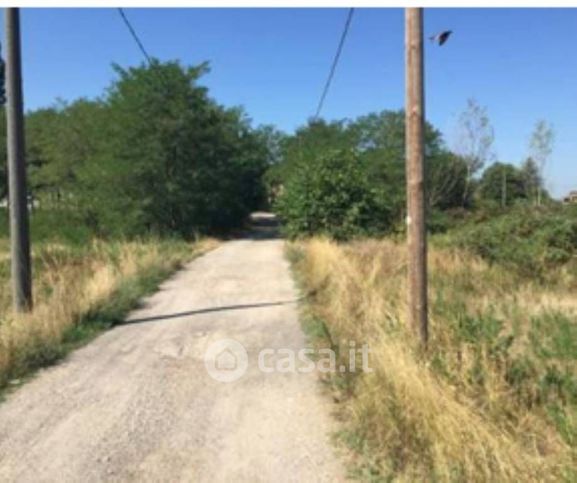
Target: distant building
point(571, 197)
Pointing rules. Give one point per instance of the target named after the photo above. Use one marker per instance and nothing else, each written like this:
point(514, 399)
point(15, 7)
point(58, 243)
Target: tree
point(61, 141)
point(155, 154)
point(2, 81)
point(314, 140)
point(532, 181)
point(475, 141)
point(378, 141)
point(272, 140)
point(541, 147)
point(502, 184)
point(317, 138)
point(183, 163)
point(331, 195)
point(446, 180)
point(382, 145)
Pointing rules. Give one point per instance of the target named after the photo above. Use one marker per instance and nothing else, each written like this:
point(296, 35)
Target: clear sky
point(520, 63)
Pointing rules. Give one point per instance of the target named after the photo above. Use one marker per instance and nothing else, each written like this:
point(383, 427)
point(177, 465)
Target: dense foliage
point(377, 144)
point(455, 185)
point(530, 240)
point(154, 154)
point(332, 196)
point(503, 184)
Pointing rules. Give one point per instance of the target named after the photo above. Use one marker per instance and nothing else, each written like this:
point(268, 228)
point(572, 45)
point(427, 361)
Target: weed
point(79, 291)
point(495, 396)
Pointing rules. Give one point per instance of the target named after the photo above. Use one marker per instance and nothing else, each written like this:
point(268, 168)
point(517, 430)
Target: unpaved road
point(137, 404)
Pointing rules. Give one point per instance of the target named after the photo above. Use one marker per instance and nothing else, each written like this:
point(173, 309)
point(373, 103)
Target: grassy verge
point(495, 396)
point(79, 291)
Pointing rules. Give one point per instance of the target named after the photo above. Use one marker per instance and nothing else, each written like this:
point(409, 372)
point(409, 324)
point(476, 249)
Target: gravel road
point(138, 403)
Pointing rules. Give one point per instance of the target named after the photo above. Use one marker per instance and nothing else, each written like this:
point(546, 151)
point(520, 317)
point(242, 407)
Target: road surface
point(137, 404)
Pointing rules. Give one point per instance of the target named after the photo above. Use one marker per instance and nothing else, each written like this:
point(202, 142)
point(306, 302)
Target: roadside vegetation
point(345, 179)
point(538, 243)
point(123, 190)
point(154, 155)
point(494, 396)
point(79, 291)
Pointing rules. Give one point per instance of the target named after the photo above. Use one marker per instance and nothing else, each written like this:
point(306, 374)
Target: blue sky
point(517, 62)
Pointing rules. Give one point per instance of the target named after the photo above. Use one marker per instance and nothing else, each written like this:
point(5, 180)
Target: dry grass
point(457, 412)
point(79, 291)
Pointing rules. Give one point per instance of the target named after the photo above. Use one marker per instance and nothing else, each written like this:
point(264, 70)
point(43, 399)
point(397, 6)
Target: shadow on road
point(208, 311)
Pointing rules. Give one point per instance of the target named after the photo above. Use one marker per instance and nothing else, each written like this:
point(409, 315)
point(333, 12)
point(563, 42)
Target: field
point(494, 398)
point(80, 289)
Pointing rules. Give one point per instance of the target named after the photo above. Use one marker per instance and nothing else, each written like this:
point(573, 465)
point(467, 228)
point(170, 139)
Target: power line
point(134, 35)
point(149, 59)
point(154, 67)
point(335, 62)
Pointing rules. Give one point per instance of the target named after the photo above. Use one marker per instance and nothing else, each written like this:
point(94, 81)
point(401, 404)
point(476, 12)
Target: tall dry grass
point(79, 291)
point(464, 410)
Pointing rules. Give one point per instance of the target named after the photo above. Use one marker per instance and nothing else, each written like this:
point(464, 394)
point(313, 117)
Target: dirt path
point(139, 404)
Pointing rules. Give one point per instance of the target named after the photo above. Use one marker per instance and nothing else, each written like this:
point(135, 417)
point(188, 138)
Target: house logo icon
point(226, 360)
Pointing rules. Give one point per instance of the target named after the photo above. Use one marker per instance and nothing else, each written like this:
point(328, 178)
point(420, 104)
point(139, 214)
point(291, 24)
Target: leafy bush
point(60, 226)
point(441, 221)
point(331, 195)
point(528, 239)
point(503, 184)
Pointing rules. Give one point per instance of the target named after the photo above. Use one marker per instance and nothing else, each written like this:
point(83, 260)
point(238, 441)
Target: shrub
point(529, 239)
point(332, 196)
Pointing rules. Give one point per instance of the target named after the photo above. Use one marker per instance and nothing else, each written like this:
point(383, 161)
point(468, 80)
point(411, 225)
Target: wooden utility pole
point(504, 188)
point(415, 149)
point(19, 229)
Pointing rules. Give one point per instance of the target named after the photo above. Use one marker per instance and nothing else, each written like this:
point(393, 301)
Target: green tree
point(181, 163)
point(381, 141)
point(503, 184)
point(61, 141)
point(272, 141)
point(314, 140)
point(378, 141)
point(155, 154)
point(331, 195)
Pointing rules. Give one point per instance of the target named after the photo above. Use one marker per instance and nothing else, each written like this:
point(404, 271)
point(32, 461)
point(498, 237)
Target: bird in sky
point(442, 37)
